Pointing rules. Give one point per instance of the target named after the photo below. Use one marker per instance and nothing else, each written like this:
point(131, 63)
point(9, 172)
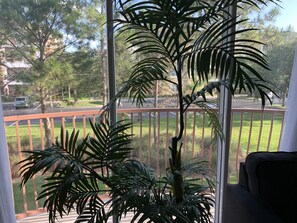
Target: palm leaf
point(143, 78)
point(110, 146)
point(71, 169)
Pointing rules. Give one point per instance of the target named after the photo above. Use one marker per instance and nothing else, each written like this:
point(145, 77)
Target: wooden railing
point(152, 129)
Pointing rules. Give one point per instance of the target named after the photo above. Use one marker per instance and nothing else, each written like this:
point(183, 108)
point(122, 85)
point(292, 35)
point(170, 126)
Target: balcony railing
point(152, 129)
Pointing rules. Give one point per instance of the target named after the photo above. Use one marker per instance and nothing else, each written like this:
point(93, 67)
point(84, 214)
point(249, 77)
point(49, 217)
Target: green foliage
point(39, 32)
point(28, 25)
point(280, 58)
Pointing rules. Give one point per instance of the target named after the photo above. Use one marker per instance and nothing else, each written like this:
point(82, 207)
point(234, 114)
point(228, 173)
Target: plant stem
point(175, 151)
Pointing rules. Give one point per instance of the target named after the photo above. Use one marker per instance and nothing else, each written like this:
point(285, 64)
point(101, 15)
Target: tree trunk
point(43, 95)
point(51, 101)
point(62, 93)
point(284, 95)
point(69, 92)
point(75, 95)
point(47, 132)
point(46, 121)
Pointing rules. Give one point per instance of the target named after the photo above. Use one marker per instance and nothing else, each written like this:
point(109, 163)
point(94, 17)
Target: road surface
point(237, 102)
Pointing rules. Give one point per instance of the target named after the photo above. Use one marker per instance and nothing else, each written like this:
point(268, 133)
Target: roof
point(15, 82)
point(17, 64)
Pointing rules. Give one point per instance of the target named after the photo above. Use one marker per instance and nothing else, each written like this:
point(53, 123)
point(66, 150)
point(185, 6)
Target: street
point(237, 102)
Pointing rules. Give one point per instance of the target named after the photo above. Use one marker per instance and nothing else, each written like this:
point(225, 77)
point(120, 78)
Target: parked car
point(21, 102)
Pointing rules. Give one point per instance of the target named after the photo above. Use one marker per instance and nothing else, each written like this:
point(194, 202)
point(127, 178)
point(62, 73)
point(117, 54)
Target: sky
point(288, 14)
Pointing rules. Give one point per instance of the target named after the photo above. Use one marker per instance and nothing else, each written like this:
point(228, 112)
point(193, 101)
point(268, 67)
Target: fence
point(152, 129)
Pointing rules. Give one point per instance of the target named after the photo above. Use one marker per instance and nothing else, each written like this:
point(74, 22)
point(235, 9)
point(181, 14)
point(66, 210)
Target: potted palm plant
point(186, 37)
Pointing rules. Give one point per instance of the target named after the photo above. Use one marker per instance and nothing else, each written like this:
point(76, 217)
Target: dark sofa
point(266, 192)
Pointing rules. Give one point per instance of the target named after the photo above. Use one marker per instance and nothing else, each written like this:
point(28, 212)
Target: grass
point(241, 133)
point(30, 196)
point(36, 135)
point(81, 103)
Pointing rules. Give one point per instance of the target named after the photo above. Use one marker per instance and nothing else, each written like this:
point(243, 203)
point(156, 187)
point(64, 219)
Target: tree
point(90, 59)
point(39, 31)
point(96, 15)
point(280, 58)
point(261, 22)
point(87, 68)
point(186, 36)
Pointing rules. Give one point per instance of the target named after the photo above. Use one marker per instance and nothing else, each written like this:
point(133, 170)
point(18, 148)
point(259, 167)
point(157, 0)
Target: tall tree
point(260, 20)
point(41, 30)
point(96, 15)
point(280, 58)
point(96, 48)
point(103, 55)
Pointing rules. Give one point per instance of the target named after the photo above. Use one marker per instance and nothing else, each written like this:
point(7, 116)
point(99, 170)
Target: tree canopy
point(40, 31)
point(280, 53)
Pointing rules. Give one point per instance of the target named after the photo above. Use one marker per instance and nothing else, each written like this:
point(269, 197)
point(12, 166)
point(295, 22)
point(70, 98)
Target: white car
point(21, 102)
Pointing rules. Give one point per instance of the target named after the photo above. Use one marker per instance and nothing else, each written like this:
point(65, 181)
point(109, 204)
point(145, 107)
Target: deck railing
point(152, 129)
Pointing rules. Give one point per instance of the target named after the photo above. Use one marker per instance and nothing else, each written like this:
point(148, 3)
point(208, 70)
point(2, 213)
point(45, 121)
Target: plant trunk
point(176, 162)
point(155, 124)
point(175, 166)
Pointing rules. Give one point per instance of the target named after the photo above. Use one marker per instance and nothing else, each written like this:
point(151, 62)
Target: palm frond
point(110, 146)
point(197, 207)
point(93, 213)
point(133, 183)
point(55, 158)
point(212, 56)
point(71, 169)
point(143, 79)
point(166, 27)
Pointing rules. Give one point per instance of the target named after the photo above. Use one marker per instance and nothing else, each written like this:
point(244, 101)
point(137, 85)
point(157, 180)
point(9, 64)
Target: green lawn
point(30, 194)
point(81, 103)
point(30, 197)
point(147, 149)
